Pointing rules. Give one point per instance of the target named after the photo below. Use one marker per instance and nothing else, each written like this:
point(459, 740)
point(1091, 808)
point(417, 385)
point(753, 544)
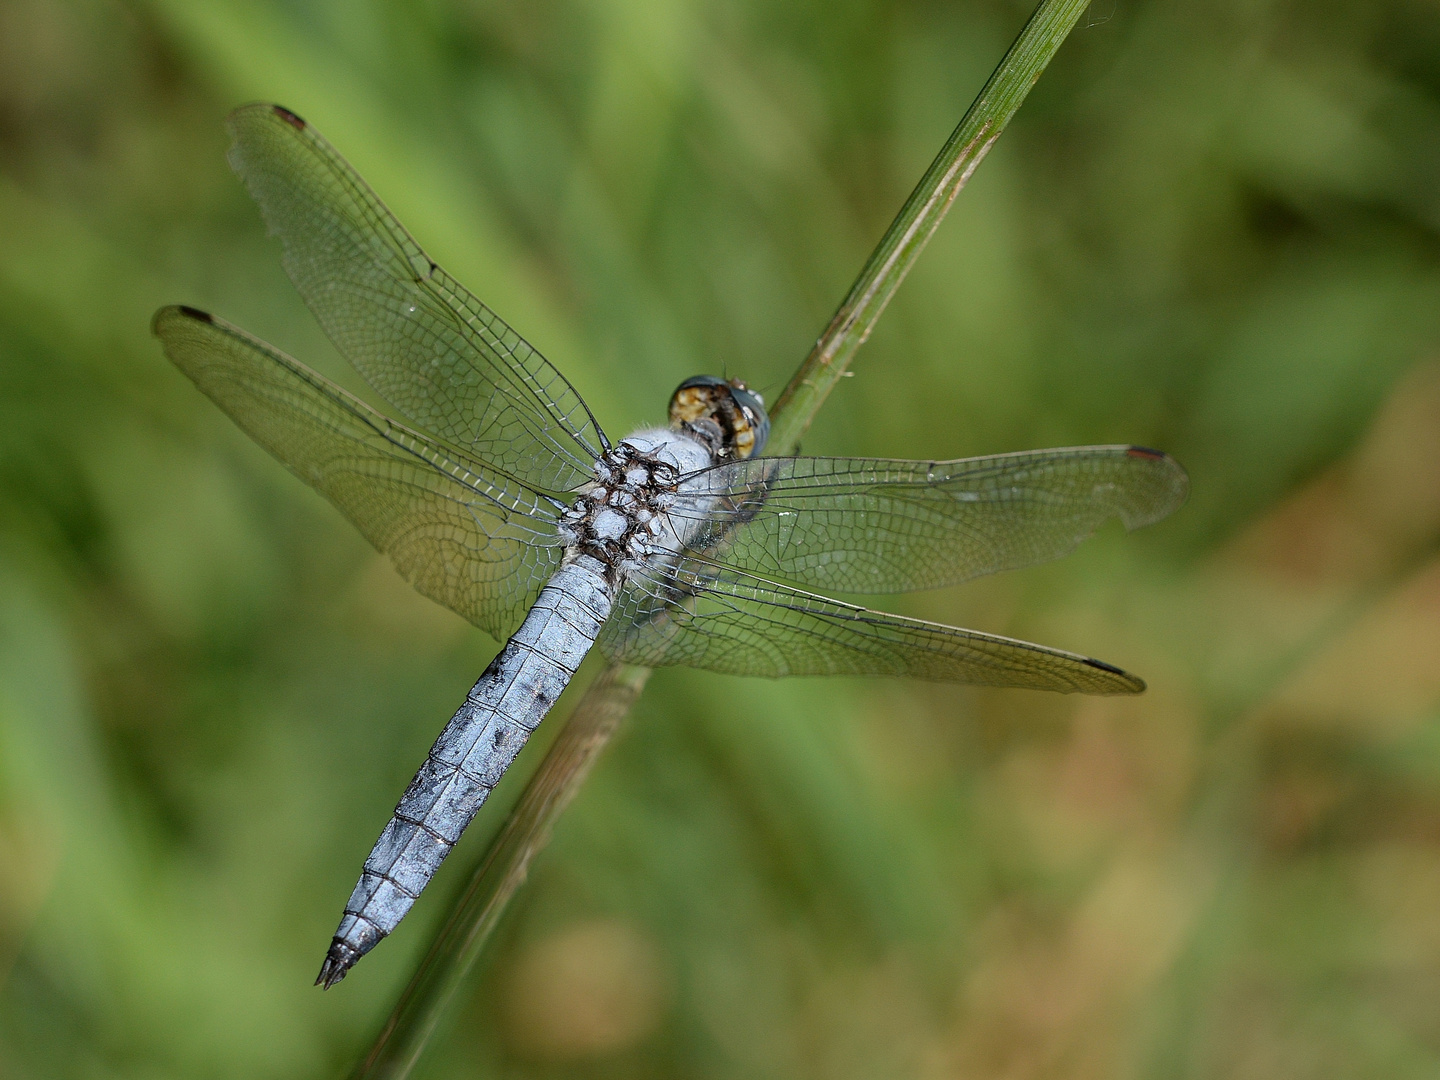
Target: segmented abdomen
point(466, 762)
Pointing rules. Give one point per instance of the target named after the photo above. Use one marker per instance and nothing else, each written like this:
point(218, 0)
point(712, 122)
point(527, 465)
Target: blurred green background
point(1214, 228)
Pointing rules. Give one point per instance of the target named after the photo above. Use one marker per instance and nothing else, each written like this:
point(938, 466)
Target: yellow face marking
point(691, 404)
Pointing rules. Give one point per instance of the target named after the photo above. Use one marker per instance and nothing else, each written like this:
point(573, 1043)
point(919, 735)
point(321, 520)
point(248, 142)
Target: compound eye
point(752, 407)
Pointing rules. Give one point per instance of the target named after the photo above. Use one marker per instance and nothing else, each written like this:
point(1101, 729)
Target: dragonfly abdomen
point(506, 704)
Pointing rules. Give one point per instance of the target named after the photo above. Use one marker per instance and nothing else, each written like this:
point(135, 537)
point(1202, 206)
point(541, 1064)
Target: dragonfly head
point(728, 414)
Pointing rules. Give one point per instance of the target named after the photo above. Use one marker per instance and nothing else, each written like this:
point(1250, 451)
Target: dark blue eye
point(701, 380)
point(754, 406)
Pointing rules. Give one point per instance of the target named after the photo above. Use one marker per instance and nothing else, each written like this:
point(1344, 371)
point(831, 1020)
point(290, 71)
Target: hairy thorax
point(627, 513)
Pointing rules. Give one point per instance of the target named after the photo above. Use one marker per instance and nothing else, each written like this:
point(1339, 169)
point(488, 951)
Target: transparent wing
point(876, 526)
point(441, 357)
point(466, 535)
point(705, 616)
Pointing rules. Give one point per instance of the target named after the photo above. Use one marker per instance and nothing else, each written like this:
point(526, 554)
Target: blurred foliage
point(1215, 227)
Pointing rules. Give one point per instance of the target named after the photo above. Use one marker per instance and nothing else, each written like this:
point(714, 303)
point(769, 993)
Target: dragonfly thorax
point(619, 517)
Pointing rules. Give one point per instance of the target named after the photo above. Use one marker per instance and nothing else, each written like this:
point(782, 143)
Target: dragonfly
point(499, 495)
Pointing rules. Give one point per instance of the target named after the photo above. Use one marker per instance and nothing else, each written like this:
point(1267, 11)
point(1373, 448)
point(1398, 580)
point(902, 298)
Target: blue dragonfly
point(500, 496)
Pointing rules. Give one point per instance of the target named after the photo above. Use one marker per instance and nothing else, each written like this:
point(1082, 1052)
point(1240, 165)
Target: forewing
point(473, 539)
point(877, 526)
point(448, 363)
point(720, 620)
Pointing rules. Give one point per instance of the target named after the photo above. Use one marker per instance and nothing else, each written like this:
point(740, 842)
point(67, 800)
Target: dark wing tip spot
point(1104, 666)
point(195, 313)
point(289, 117)
point(1134, 684)
point(1146, 452)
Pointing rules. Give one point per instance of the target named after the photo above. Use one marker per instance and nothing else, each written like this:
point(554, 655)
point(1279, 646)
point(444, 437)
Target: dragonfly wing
point(704, 616)
point(875, 526)
point(448, 363)
point(466, 535)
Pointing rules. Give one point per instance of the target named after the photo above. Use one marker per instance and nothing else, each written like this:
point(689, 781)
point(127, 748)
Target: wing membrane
point(474, 539)
point(875, 526)
point(447, 362)
point(708, 617)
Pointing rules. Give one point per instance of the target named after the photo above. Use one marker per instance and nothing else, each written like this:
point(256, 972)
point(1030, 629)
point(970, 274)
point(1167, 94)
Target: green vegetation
point(1212, 228)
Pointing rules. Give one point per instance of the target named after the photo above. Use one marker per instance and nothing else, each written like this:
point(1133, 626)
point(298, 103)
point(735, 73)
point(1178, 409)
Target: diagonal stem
point(987, 117)
point(442, 974)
